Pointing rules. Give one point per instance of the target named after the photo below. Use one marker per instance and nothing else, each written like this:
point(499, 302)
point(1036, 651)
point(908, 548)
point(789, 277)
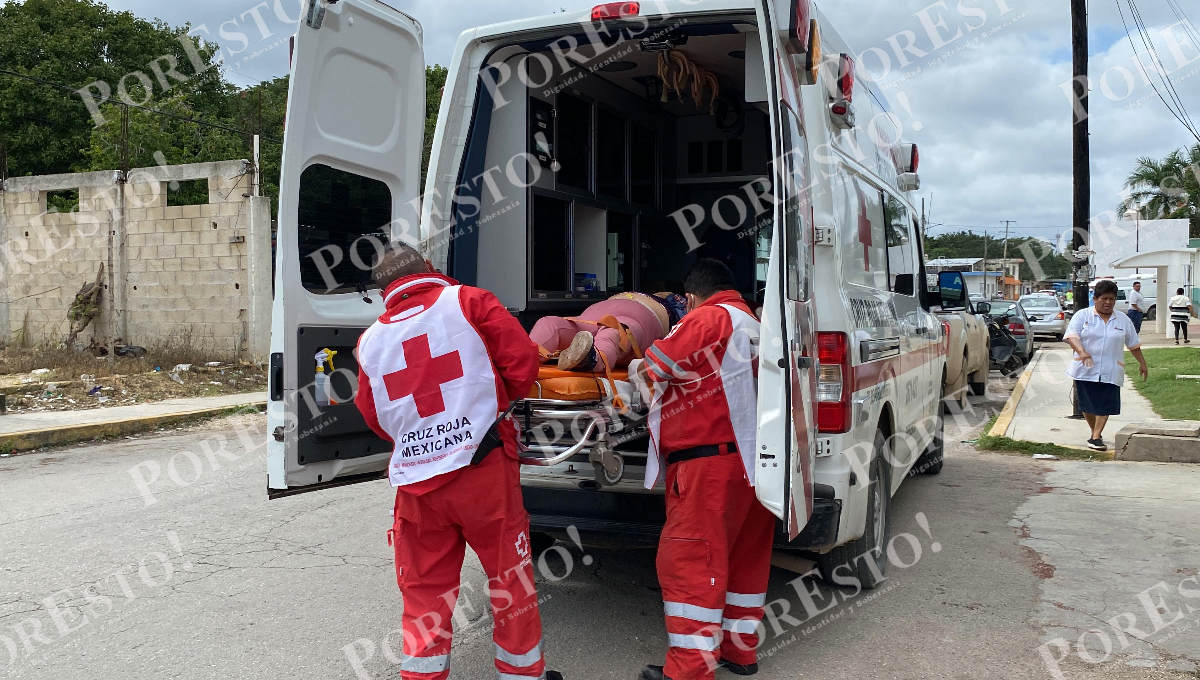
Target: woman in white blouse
point(1181, 314)
point(1099, 336)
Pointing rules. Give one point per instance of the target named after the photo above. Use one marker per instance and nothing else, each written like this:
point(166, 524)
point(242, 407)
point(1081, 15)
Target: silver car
point(1046, 315)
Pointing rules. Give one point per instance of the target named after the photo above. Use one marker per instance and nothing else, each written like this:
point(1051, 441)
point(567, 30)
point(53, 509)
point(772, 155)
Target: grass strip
point(1002, 444)
point(1169, 397)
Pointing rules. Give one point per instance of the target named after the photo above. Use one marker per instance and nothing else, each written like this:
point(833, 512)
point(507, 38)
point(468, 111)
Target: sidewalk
point(21, 432)
point(1041, 414)
point(1152, 339)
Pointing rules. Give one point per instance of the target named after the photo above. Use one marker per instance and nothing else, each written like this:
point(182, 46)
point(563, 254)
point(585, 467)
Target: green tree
point(74, 43)
point(435, 80)
point(262, 109)
point(970, 244)
point(1167, 188)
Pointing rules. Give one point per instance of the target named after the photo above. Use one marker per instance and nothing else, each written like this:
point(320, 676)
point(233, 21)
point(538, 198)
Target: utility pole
point(1080, 152)
point(113, 243)
point(985, 268)
point(1004, 266)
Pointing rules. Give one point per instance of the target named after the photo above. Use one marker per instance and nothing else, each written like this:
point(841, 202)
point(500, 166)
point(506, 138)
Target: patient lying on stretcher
point(610, 333)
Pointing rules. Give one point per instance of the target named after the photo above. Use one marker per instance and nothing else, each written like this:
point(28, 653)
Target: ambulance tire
point(540, 542)
point(978, 387)
point(850, 560)
point(930, 462)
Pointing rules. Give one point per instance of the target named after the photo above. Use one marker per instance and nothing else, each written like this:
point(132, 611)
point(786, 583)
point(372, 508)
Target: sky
point(986, 103)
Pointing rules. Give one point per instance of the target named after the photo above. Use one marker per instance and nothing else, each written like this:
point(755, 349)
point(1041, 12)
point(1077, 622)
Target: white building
point(1119, 241)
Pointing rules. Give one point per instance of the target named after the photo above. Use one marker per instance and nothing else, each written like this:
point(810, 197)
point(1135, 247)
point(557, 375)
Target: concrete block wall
point(176, 271)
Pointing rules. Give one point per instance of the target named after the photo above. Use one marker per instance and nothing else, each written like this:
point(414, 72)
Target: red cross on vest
point(423, 376)
point(864, 229)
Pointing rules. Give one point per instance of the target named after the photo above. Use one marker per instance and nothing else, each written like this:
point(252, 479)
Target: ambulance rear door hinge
point(823, 236)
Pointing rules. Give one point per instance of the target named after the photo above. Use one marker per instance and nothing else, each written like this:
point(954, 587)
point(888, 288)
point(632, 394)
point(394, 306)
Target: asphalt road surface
point(197, 575)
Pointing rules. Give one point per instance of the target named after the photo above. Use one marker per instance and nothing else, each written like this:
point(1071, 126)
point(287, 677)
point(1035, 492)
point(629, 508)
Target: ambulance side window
point(900, 248)
point(793, 172)
point(870, 253)
point(342, 221)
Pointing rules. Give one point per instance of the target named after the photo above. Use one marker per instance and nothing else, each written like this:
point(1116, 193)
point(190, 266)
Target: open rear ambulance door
point(787, 360)
point(351, 172)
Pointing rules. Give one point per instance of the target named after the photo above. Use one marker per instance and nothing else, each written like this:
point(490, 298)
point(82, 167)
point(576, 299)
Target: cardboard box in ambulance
point(615, 149)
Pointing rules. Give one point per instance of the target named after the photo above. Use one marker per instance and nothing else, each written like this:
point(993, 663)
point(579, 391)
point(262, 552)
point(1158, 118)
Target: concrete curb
point(70, 434)
point(1000, 427)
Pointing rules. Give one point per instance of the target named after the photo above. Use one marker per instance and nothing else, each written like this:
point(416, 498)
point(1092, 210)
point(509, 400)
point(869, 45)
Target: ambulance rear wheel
point(845, 563)
point(540, 542)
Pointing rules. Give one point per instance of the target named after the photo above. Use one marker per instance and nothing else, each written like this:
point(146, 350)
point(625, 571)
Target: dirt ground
point(50, 392)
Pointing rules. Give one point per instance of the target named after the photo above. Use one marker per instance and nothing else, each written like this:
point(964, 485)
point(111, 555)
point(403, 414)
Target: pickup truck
point(969, 351)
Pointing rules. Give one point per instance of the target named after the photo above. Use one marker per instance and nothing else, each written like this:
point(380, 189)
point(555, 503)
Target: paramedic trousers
point(481, 507)
point(714, 559)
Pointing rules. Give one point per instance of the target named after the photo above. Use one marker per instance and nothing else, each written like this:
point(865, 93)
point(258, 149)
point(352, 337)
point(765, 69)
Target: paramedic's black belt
point(703, 451)
point(491, 438)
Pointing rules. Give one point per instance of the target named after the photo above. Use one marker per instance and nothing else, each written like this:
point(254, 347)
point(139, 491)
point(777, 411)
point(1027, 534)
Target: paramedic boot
point(739, 669)
point(653, 673)
point(581, 355)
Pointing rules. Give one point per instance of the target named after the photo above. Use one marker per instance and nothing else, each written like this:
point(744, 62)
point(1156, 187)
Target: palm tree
point(1168, 188)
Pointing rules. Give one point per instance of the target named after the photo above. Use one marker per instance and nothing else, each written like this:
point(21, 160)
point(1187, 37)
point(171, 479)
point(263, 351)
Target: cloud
point(996, 135)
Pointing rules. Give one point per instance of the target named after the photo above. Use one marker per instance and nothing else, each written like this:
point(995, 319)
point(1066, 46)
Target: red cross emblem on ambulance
point(423, 376)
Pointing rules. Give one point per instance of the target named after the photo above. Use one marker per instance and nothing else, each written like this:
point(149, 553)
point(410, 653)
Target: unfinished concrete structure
point(196, 271)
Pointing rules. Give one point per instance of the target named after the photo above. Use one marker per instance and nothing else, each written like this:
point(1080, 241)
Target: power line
point(1143, 31)
point(168, 114)
point(1154, 55)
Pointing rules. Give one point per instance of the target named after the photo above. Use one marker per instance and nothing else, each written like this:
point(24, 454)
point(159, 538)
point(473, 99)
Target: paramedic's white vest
point(436, 400)
point(739, 384)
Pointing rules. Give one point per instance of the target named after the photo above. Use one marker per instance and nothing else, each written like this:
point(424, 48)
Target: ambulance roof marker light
point(616, 10)
point(846, 77)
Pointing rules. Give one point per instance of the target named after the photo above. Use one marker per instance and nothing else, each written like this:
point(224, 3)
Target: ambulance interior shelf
point(615, 156)
point(336, 431)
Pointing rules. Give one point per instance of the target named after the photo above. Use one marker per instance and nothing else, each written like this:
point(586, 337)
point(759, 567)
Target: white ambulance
point(581, 155)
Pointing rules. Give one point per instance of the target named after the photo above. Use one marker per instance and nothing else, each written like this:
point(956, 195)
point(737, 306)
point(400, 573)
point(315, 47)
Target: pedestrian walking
point(1099, 335)
point(1181, 313)
point(436, 370)
point(1137, 306)
point(714, 557)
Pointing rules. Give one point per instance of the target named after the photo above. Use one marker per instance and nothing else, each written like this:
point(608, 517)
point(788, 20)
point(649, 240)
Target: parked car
point(1046, 315)
point(967, 358)
point(1015, 320)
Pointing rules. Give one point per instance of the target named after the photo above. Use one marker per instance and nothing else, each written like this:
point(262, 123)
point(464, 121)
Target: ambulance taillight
point(833, 383)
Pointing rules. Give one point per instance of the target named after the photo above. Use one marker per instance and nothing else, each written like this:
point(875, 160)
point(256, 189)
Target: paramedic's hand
point(1144, 370)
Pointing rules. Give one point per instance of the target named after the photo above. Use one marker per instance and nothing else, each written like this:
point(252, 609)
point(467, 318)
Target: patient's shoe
point(581, 355)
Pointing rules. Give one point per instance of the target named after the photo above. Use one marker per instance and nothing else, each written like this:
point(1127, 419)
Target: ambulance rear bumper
point(636, 519)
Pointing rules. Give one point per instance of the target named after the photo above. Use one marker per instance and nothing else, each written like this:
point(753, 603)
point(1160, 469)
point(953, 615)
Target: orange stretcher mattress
point(572, 385)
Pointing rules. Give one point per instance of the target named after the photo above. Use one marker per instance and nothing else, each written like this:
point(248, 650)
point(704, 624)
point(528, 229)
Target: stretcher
point(583, 418)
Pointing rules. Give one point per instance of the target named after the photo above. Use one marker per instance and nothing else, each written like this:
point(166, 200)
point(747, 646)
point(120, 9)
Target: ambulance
point(581, 155)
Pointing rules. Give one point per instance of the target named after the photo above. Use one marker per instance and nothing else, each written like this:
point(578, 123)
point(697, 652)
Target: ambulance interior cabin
point(617, 151)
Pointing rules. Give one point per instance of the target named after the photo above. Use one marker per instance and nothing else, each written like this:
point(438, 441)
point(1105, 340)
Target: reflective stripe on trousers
point(693, 612)
point(701, 642)
point(744, 626)
point(746, 600)
point(529, 658)
point(424, 664)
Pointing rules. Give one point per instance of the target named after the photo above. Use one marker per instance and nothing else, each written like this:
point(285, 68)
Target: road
point(194, 574)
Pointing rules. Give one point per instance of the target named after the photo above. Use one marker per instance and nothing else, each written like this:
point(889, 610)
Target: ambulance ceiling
point(718, 48)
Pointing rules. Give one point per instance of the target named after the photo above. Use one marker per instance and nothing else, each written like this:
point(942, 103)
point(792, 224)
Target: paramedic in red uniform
point(715, 552)
point(435, 370)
